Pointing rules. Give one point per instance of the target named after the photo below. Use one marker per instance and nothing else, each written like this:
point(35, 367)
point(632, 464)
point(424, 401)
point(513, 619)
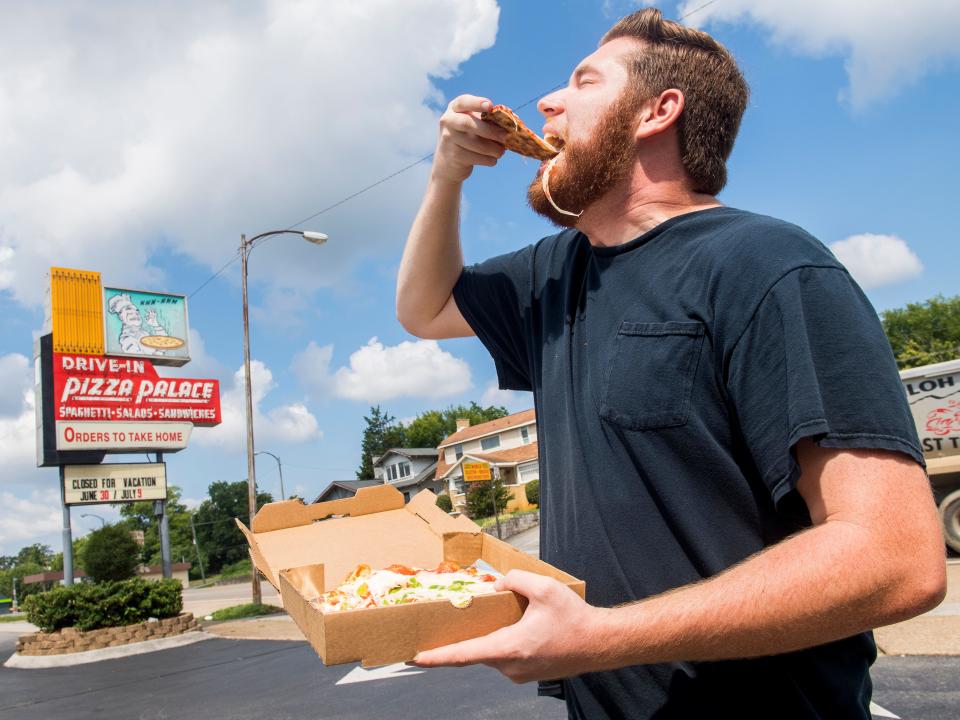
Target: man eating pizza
point(742, 510)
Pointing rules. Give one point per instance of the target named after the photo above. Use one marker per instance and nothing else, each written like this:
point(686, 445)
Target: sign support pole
point(165, 535)
point(67, 533)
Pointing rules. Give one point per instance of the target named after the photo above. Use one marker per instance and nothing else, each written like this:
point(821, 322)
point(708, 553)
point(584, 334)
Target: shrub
point(89, 606)
point(110, 553)
point(532, 489)
point(479, 502)
point(445, 503)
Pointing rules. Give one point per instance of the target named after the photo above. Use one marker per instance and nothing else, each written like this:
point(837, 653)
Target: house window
point(404, 469)
point(458, 451)
point(489, 443)
point(525, 435)
point(392, 472)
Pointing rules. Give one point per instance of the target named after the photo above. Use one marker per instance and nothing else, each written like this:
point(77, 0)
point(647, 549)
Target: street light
point(246, 246)
point(283, 495)
point(103, 522)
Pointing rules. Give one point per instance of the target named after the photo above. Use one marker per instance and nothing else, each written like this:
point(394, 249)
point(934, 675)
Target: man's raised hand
point(465, 140)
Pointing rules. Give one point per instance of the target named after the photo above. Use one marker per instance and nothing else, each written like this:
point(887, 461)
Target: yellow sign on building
point(76, 302)
point(476, 471)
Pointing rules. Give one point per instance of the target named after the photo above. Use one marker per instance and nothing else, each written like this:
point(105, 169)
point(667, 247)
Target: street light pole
point(246, 246)
point(283, 495)
point(102, 521)
point(251, 471)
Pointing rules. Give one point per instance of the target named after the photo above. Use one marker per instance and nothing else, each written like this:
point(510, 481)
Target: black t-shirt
point(672, 376)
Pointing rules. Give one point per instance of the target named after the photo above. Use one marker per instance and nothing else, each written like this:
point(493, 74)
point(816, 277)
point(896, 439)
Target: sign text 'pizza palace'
point(97, 388)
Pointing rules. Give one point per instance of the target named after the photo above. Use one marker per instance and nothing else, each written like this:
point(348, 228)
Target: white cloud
point(876, 260)
point(410, 369)
point(510, 399)
point(17, 373)
point(23, 519)
point(291, 423)
point(189, 123)
point(887, 44)
point(379, 372)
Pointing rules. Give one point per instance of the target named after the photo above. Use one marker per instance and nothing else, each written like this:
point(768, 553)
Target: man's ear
point(659, 113)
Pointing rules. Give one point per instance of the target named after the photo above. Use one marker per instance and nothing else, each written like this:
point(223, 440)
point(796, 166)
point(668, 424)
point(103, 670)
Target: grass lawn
point(237, 612)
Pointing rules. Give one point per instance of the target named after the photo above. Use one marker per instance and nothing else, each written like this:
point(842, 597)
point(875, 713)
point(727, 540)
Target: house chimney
point(462, 424)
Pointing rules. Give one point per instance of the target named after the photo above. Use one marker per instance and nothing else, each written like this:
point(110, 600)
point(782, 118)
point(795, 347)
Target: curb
point(37, 662)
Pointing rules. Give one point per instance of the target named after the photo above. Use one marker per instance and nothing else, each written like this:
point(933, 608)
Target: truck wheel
point(950, 519)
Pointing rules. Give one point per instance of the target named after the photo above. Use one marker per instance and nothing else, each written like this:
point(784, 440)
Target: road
point(203, 601)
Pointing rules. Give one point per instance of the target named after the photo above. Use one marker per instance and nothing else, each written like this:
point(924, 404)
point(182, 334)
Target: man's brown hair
point(715, 93)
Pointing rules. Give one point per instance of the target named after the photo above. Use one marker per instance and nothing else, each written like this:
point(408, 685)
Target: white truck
point(933, 392)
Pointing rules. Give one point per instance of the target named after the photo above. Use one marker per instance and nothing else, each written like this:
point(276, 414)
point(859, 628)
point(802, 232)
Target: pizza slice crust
point(520, 138)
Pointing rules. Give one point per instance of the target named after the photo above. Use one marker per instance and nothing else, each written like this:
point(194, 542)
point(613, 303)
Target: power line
point(392, 175)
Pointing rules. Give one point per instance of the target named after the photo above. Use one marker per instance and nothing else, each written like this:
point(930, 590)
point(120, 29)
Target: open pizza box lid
point(305, 550)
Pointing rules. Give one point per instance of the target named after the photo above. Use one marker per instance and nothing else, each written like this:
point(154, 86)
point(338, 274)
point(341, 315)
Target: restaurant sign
point(114, 482)
point(96, 388)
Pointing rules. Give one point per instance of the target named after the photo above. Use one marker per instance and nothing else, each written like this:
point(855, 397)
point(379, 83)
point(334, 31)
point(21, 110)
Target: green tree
point(36, 554)
point(429, 428)
point(220, 540)
point(532, 491)
point(479, 501)
point(445, 503)
point(381, 434)
point(110, 554)
point(924, 333)
point(139, 516)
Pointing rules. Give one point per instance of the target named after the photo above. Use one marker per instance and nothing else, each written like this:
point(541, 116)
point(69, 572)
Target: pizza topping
point(399, 584)
point(545, 184)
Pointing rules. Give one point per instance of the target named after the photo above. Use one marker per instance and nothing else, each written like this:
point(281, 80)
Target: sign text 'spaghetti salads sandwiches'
point(92, 388)
point(324, 552)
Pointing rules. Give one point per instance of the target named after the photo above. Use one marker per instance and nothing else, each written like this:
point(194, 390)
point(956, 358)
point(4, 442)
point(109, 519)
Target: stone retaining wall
point(514, 525)
point(71, 640)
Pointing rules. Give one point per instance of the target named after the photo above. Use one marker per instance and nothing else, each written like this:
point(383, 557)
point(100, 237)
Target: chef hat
point(119, 302)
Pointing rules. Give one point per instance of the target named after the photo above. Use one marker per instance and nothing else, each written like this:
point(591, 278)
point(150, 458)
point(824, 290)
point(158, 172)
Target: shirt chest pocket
point(650, 375)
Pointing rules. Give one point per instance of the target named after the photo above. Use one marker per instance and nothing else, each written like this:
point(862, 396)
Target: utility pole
point(493, 495)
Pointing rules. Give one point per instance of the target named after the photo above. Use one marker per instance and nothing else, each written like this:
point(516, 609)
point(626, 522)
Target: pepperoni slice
point(447, 566)
point(402, 570)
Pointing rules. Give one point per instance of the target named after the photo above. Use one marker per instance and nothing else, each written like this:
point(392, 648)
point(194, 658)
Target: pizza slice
point(399, 585)
point(522, 139)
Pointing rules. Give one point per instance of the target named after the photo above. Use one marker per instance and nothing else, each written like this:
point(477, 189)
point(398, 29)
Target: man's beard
point(586, 171)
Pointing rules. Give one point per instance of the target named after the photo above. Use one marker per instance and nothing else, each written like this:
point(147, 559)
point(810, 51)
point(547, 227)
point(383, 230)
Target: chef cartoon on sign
point(132, 331)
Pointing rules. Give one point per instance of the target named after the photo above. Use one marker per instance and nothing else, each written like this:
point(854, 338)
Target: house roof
point(425, 475)
point(525, 417)
point(513, 456)
point(351, 485)
point(407, 452)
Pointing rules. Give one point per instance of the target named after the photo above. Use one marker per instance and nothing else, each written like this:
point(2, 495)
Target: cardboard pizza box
point(305, 550)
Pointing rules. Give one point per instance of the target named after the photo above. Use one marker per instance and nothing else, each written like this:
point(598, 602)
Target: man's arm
point(873, 557)
point(432, 259)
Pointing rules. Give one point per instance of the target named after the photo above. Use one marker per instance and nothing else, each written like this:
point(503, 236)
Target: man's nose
point(551, 104)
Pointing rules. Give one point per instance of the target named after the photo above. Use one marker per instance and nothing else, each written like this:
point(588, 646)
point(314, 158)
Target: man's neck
point(627, 212)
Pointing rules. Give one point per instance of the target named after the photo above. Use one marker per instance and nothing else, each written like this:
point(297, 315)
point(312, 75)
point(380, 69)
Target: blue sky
point(141, 143)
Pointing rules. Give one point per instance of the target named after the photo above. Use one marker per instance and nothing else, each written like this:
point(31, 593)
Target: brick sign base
point(71, 640)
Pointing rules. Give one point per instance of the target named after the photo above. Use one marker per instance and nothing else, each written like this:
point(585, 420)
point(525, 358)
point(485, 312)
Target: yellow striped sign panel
point(76, 299)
